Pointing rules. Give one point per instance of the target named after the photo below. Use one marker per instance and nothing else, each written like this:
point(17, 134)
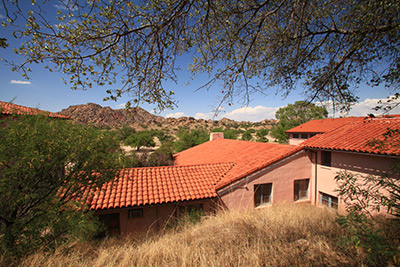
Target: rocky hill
point(105, 116)
point(141, 119)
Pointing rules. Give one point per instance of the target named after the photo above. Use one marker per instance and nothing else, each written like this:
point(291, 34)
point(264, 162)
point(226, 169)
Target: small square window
point(301, 189)
point(328, 200)
point(304, 136)
point(136, 213)
point(295, 135)
point(262, 194)
point(326, 158)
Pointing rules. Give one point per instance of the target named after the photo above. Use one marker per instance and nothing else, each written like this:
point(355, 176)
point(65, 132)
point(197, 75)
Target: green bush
point(44, 163)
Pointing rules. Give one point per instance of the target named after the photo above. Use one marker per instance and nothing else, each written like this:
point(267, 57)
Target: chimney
point(214, 136)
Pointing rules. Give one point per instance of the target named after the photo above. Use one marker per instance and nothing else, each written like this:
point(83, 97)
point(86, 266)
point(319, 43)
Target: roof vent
point(214, 136)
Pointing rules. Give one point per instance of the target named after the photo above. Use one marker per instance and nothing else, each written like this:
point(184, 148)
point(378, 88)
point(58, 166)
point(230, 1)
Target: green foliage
point(256, 46)
point(192, 217)
point(139, 139)
point(44, 163)
point(262, 135)
point(247, 136)
point(125, 131)
point(295, 114)
point(217, 130)
point(190, 139)
point(3, 43)
point(228, 133)
point(365, 194)
point(163, 137)
point(162, 156)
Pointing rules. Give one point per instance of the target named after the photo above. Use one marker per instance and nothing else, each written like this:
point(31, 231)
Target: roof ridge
point(11, 108)
point(178, 166)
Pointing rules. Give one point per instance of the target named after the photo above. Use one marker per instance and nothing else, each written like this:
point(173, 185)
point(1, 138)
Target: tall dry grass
point(281, 235)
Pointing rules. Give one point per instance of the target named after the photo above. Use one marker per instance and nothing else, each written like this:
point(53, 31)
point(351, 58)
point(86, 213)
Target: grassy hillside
point(282, 235)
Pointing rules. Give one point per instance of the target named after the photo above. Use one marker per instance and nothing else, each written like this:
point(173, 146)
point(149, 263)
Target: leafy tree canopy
point(295, 114)
point(228, 133)
point(190, 139)
point(330, 46)
point(139, 139)
point(38, 157)
point(247, 136)
point(262, 135)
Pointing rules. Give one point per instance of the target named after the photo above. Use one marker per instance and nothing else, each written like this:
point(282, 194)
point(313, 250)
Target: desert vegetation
point(281, 235)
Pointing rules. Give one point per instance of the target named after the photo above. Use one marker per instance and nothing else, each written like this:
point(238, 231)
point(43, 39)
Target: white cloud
point(66, 6)
point(175, 115)
point(366, 107)
point(254, 114)
point(19, 82)
point(122, 105)
point(205, 116)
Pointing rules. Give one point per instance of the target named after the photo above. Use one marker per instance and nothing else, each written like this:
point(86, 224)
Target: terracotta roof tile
point(9, 109)
point(156, 185)
point(355, 136)
point(247, 156)
point(323, 125)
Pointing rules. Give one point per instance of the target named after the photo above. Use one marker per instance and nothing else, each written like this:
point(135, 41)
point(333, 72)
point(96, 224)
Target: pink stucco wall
point(299, 139)
point(353, 162)
point(241, 194)
point(295, 141)
point(154, 217)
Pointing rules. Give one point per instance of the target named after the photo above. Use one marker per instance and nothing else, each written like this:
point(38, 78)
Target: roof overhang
point(248, 178)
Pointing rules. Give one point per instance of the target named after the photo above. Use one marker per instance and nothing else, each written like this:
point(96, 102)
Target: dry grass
point(282, 235)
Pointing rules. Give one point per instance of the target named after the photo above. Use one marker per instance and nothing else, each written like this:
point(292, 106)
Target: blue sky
point(46, 91)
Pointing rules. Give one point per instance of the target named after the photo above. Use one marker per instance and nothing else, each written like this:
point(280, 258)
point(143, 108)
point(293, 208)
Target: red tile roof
point(157, 185)
point(355, 136)
point(247, 156)
point(9, 109)
point(323, 125)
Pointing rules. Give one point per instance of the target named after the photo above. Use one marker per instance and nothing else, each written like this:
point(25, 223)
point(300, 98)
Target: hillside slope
point(105, 116)
point(141, 119)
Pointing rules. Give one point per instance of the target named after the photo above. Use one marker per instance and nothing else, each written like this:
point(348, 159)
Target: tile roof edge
point(360, 151)
point(19, 108)
point(177, 166)
point(286, 155)
point(147, 205)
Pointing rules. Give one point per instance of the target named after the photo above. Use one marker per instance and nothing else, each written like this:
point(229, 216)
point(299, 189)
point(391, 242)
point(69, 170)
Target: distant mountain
point(139, 118)
point(105, 116)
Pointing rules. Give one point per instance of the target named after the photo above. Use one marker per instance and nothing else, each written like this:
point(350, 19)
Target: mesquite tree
point(330, 46)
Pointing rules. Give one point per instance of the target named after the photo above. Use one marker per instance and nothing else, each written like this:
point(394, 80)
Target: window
point(190, 209)
point(329, 200)
point(304, 136)
point(262, 194)
point(111, 222)
point(136, 213)
point(301, 189)
point(295, 135)
point(326, 158)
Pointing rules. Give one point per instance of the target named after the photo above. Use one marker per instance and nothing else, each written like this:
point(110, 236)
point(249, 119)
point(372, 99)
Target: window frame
point(303, 136)
point(326, 158)
point(135, 213)
point(295, 136)
point(298, 189)
point(259, 189)
point(328, 200)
